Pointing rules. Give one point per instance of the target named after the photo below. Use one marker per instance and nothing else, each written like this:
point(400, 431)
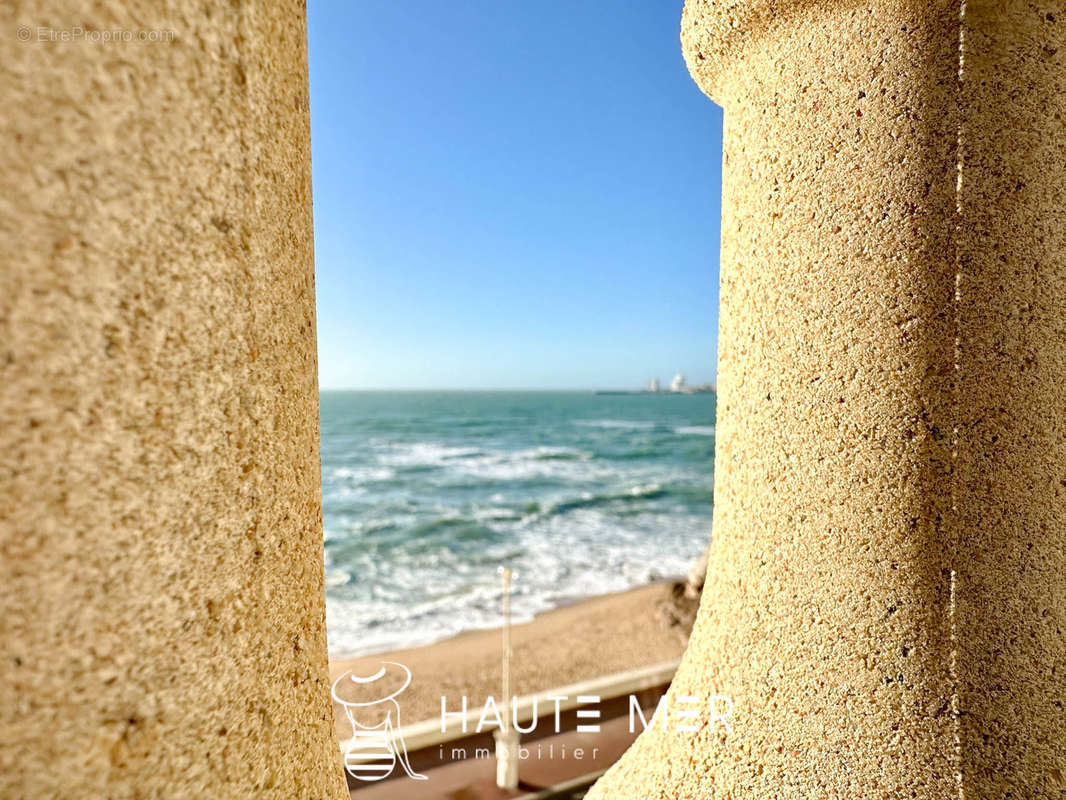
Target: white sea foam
point(424, 496)
point(614, 423)
point(420, 454)
point(337, 577)
point(494, 464)
point(358, 475)
point(581, 554)
point(695, 430)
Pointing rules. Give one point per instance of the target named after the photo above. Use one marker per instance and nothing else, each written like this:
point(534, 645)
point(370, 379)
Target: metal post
point(506, 737)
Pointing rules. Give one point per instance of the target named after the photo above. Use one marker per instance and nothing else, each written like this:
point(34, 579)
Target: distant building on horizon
point(677, 386)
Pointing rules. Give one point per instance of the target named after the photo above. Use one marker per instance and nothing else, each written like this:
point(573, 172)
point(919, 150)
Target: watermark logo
point(371, 705)
point(683, 713)
point(92, 34)
point(377, 737)
point(680, 714)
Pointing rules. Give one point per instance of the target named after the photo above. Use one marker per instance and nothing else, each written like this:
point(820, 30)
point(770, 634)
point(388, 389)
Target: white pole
point(506, 737)
point(506, 642)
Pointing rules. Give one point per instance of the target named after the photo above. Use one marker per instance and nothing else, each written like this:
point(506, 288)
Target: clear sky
point(511, 194)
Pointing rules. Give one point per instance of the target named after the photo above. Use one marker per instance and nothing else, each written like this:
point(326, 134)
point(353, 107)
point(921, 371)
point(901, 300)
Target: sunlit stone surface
point(163, 626)
point(886, 593)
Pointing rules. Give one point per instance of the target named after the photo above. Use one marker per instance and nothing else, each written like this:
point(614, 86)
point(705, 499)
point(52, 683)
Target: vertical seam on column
point(956, 711)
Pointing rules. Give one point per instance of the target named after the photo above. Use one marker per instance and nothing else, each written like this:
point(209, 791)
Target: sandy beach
point(591, 638)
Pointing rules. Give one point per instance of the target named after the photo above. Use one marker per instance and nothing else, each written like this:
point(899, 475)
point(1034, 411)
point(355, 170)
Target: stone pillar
point(161, 583)
point(1011, 443)
point(886, 597)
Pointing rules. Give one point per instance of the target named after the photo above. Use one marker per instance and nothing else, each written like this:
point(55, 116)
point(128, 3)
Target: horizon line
point(501, 389)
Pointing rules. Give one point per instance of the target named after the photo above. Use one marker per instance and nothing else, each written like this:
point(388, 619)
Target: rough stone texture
point(161, 581)
point(1011, 462)
point(886, 595)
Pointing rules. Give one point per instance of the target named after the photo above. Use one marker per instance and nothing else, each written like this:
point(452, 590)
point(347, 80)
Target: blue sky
point(511, 194)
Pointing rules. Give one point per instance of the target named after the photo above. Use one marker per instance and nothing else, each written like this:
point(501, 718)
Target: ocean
point(426, 494)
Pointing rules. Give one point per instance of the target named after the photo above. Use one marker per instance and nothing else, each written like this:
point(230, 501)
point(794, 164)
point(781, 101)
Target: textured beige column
point(886, 596)
point(1011, 461)
point(161, 582)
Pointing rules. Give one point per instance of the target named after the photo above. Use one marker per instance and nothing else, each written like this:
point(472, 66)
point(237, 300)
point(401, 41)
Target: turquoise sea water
point(426, 493)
